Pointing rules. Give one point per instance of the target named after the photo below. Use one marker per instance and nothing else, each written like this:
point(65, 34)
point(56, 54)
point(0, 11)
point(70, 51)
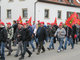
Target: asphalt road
point(69, 54)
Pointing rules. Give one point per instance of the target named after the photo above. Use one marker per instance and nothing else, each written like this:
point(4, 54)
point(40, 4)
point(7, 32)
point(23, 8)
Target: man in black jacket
point(74, 33)
point(41, 35)
point(26, 39)
point(52, 32)
point(3, 37)
point(68, 39)
point(19, 36)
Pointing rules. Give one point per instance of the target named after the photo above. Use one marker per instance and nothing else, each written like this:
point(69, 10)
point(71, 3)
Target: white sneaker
point(58, 51)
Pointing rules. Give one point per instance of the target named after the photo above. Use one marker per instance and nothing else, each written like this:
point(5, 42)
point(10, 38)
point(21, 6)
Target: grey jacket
point(10, 33)
point(60, 33)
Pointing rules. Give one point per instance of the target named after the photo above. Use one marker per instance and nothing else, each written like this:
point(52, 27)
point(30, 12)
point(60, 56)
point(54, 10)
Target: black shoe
point(30, 55)
point(38, 53)
point(15, 55)
point(48, 48)
point(21, 58)
point(33, 50)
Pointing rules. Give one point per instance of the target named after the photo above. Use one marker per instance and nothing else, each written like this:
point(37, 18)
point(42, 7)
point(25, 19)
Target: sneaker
point(21, 58)
point(33, 50)
point(48, 48)
point(38, 53)
point(30, 55)
point(15, 55)
point(58, 51)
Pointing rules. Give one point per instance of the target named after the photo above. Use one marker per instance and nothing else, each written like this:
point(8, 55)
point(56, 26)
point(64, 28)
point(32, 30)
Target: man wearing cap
point(41, 35)
point(32, 35)
point(26, 39)
point(68, 37)
point(19, 36)
point(48, 32)
point(9, 38)
point(3, 37)
point(52, 32)
point(15, 26)
point(61, 35)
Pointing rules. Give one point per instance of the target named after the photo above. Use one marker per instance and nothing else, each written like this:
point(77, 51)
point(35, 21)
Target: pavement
point(69, 54)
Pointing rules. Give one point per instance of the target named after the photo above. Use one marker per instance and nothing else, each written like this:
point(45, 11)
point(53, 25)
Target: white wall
point(53, 8)
point(16, 7)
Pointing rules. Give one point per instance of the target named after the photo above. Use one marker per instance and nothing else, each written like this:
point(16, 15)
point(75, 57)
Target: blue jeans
point(60, 43)
point(51, 43)
point(67, 39)
point(31, 42)
point(2, 46)
point(71, 41)
point(25, 49)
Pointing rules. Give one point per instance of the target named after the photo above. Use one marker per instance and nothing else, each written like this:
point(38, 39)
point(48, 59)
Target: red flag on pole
point(29, 21)
point(20, 19)
point(71, 20)
point(55, 22)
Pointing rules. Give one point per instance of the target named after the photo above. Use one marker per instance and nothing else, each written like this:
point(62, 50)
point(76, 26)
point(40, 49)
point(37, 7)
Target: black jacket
point(52, 31)
point(26, 36)
point(20, 33)
point(3, 34)
point(69, 31)
point(41, 34)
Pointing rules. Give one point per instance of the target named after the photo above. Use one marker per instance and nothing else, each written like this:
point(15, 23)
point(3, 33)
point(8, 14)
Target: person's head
point(60, 26)
point(2, 24)
point(18, 21)
point(42, 24)
point(27, 24)
point(33, 22)
point(14, 22)
point(48, 24)
point(8, 24)
point(24, 25)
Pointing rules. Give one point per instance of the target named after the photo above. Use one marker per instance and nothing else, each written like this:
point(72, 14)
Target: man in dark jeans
point(3, 37)
point(9, 38)
point(26, 39)
point(41, 35)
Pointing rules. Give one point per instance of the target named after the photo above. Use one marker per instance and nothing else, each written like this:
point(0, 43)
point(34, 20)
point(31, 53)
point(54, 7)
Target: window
point(60, 0)
point(46, 13)
point(9, 13)
point(71, 1)
point(78, 15)
point(69, 14)
point(59, 14)
point(25, 13)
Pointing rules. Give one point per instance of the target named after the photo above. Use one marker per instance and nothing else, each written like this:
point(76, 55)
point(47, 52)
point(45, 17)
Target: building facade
point(43, 10)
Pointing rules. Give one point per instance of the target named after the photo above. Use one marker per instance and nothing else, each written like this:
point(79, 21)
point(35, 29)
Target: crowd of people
point(23, 34)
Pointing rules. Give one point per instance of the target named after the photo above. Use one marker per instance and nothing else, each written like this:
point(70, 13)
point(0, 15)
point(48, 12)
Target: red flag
point(20, 19)
point(68, 23)
point(29, 21)
point(71, 20)
point(55, 22)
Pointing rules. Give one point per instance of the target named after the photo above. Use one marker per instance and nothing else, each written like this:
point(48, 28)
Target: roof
point(64, 2)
